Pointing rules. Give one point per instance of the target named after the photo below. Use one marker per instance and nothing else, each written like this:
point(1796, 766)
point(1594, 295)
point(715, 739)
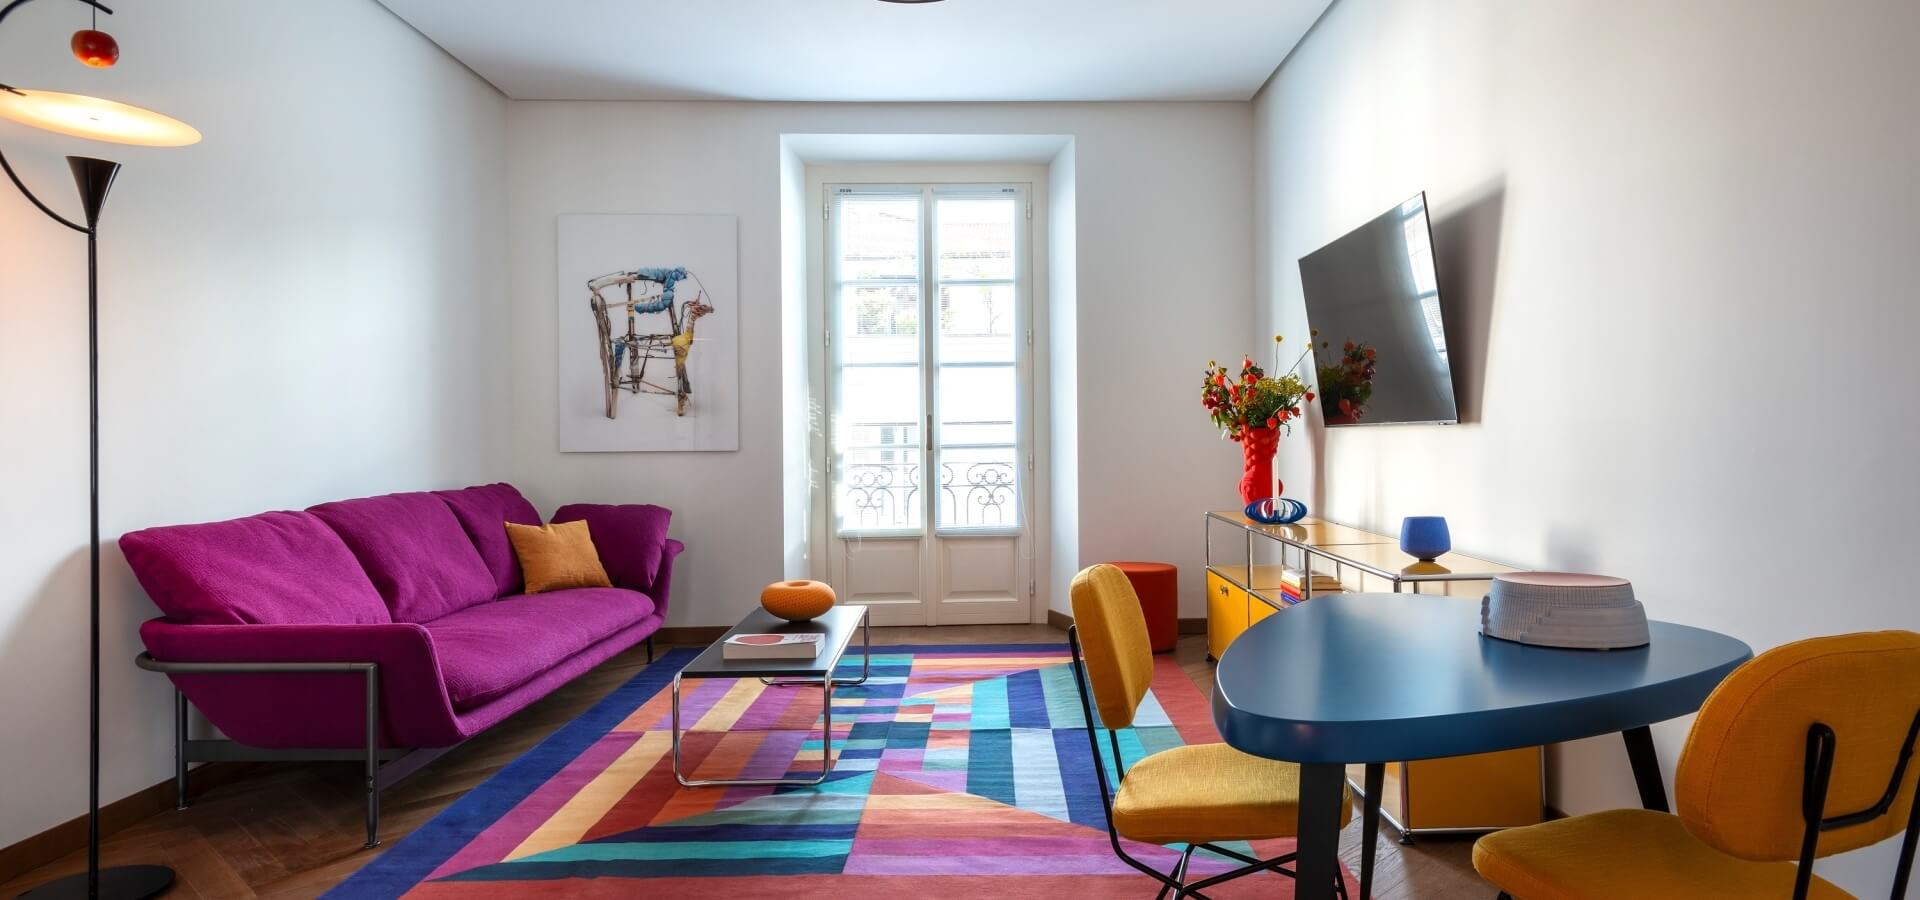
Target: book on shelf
point(1292, 581)
point(772, 646)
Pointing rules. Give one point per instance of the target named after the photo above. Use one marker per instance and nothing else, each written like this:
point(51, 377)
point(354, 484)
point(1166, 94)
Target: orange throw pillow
point(557, 557)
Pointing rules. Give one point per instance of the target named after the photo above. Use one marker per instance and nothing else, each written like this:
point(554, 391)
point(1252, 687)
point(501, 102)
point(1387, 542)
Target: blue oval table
point(1379, 678)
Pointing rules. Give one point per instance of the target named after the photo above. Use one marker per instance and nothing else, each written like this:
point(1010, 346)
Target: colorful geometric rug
point(962, 771)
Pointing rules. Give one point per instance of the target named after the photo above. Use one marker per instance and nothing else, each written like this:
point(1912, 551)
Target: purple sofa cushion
point(484, 512)
point(415, 552)
point(631, 539)
point(277, 568)
point(488, 650)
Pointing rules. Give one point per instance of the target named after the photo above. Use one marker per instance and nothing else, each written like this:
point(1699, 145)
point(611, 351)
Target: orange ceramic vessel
point(797, 601)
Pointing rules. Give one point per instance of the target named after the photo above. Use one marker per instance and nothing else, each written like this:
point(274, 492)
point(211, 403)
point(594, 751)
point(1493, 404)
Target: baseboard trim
point(692, 634)
point(49, 846)
point(1062, 621)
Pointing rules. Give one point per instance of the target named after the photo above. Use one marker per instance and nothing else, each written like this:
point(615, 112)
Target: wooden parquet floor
point(293, 830)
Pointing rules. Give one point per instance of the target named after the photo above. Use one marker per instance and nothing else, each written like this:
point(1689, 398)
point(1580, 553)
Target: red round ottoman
point(1158, 586)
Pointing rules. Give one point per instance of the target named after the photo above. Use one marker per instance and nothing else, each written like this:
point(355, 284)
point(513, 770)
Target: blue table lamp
point(1425, 537)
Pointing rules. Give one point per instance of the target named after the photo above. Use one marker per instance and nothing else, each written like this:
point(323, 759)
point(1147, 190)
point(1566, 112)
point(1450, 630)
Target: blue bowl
point(1425, 537)
point(1276, 511)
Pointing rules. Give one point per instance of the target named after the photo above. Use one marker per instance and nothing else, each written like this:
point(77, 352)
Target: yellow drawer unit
point(1230, 609)
point(1258, 609)
point(1226, 613)
point(1461, 793)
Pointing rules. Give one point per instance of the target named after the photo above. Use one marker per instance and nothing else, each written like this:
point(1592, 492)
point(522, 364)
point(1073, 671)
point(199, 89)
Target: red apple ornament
point(95, 48)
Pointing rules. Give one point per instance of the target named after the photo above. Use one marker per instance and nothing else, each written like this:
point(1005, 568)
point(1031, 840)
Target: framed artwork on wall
point(648, 336)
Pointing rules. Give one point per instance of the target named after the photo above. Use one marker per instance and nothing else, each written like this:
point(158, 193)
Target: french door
point(930, 460)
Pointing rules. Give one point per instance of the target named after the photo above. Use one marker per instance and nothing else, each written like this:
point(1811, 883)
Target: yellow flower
point(1278, 338)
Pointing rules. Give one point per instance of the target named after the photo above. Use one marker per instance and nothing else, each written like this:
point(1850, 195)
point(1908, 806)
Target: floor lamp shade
point(81, 116)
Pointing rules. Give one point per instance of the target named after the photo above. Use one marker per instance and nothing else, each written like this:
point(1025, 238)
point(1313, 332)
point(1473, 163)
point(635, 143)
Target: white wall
point(306, 306)
point(1063, 404)
point(1164, 284)
point(1678, 246)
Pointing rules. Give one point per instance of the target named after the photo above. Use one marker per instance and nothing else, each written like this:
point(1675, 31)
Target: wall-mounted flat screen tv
point(1380, 348)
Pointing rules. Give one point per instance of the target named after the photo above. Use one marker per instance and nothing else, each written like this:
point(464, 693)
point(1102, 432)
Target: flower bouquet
point(1253, 408)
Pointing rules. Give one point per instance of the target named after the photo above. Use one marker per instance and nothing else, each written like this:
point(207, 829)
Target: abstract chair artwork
point(648, 333)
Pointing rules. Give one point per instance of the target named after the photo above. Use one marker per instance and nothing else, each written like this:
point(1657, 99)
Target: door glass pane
point(979, 487)
point(977, 405)
point(976, 237)
point(977, 346)
point(879, 490)
point(976, 323)
point(877, 339)
point(879, 237)
point(979, 450)
point(878, 440)
point(880, 323)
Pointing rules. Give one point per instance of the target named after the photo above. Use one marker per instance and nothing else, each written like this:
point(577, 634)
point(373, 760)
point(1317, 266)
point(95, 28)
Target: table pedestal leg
point(1322, 792)
point(1646, 768)
point(1370, 825)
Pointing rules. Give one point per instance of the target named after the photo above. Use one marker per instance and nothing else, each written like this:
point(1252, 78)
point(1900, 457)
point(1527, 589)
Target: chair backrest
point(1742, 775)
point(1113, 639)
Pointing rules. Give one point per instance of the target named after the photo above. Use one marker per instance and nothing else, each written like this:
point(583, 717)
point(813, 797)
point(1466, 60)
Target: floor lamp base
point(116, 883)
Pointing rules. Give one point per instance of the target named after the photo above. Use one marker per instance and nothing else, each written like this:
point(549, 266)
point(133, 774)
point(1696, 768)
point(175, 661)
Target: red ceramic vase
point(1257, 446)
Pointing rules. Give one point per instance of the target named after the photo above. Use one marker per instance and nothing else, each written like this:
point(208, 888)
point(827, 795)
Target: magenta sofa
point(421, 588)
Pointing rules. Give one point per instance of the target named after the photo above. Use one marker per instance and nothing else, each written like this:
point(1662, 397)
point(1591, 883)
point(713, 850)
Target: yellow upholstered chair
point(1803, 752)
point(1198, 795)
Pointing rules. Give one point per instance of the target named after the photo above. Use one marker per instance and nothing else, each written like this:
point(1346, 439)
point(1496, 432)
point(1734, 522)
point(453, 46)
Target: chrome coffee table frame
point(711, 663)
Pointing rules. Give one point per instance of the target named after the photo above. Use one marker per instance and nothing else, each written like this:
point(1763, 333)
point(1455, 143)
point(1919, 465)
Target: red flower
point(1246, 362)
point(1251, 378)
point(1273, 423)
point(1220, 380)
point(1369, 352)
point(1309, 396)
point(1349, 345)
point(1346, 406)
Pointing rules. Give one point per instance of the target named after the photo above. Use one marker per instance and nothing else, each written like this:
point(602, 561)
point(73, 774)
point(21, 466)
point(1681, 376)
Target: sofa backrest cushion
point(484, 512)
point(631, 538)
point(277, 568)
point(415, 552)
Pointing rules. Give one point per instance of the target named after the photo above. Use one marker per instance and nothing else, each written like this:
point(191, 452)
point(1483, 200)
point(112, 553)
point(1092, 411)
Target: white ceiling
point(867, 50)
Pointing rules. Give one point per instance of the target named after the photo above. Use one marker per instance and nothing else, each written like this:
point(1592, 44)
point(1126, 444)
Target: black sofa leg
point(373, 756)
point(649, 649)
point(179, 750)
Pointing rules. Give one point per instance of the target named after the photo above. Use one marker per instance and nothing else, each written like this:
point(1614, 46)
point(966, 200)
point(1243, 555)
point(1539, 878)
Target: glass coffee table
point(838, 624)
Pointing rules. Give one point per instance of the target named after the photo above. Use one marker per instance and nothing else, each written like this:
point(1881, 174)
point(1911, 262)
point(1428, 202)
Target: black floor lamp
point(101, 120)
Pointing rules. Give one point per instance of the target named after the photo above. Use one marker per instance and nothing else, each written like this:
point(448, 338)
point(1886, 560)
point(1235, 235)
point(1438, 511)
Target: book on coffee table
point(772, 646)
